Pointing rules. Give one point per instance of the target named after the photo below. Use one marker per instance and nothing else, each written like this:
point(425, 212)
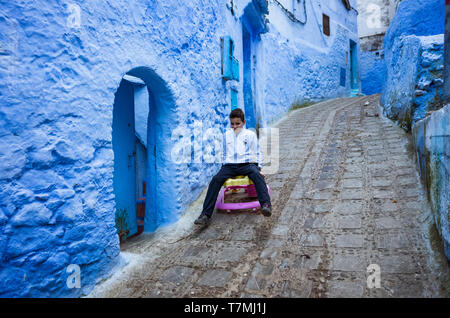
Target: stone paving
point(346, 196)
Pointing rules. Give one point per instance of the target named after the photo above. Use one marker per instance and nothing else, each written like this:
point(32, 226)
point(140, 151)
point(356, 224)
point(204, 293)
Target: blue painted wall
point(373, 73)
point(432, 145)
point(414, 78)
point(413, 59)
point(416, 17)
point(413, 96)
point(413, 17)
point(61, 76)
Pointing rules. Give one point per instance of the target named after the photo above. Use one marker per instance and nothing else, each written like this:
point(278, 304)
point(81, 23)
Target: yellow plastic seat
point(237, 181)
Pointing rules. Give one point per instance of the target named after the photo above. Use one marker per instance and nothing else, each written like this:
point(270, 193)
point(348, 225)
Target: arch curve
point(161, 195)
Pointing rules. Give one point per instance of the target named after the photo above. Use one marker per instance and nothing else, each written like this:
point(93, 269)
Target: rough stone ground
point(346, 195)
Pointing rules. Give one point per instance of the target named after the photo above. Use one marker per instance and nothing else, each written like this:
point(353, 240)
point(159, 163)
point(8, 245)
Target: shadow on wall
point(143, 119)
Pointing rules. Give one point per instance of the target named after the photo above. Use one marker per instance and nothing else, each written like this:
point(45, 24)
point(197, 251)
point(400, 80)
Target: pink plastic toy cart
point(232, 184)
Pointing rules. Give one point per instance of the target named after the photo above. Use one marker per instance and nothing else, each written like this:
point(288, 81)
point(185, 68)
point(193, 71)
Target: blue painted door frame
point(151, 205)
point(248, 78)
point(142, 105)
point(124, 147)
point(353, 65)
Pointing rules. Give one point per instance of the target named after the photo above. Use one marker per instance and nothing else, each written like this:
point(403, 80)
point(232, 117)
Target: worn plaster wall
point(413, 95)
point(432, 145)
point(419, 59)
point(414, 78)
point(416, 17)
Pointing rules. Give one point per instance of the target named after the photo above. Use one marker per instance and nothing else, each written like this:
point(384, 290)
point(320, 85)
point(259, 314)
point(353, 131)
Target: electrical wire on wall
point(292, 15)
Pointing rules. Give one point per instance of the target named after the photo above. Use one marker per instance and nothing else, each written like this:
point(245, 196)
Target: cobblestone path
point(346, 196)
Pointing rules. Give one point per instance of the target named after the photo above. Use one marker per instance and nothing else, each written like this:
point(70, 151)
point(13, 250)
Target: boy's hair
point(237, 113)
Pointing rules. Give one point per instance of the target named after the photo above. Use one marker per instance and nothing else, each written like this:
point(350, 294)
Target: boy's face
point(237, 124)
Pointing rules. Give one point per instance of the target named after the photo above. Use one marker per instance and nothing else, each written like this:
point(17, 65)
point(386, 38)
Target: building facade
point(109, 112)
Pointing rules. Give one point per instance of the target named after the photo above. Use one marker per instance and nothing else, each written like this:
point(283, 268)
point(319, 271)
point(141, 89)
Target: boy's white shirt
point(241, 148)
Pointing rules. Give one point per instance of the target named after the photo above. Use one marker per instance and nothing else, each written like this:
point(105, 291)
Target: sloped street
point(346, 199)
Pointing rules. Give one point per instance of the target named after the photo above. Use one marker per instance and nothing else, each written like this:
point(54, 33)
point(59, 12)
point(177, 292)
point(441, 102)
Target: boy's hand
point(262, 174)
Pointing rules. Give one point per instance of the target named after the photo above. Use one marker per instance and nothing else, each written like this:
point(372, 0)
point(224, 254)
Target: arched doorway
point(143, 117)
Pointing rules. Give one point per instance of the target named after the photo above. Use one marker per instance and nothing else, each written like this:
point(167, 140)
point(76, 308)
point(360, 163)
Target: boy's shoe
point(203, 219)
point(266, 210)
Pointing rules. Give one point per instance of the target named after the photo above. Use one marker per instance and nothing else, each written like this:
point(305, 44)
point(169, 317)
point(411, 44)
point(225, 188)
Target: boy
point(241, 157)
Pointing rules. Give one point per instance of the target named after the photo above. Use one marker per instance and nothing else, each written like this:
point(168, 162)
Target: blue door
point(152, 215)
point(353, 66)
point(249, 107)
point(124, 147)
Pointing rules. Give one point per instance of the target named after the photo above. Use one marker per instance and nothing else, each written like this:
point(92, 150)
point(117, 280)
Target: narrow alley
point(346, 199)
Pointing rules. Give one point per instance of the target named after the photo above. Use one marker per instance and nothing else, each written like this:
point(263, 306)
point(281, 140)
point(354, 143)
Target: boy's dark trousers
point(231, 170)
